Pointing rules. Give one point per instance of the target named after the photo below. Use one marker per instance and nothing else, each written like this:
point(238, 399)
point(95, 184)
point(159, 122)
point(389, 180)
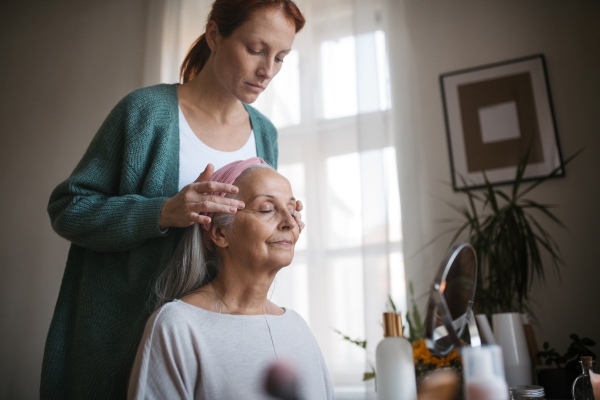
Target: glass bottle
point(527, 392)
point(582, 386)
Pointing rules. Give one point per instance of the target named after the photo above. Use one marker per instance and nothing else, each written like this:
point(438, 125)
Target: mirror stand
point(450, 307)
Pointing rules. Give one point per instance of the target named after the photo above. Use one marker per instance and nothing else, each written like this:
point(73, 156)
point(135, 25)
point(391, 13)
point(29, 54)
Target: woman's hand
point(183, 209)
point(298, 216)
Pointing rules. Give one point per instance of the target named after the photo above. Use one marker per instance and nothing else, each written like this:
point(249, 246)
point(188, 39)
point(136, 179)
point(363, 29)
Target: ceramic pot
point(510, 335)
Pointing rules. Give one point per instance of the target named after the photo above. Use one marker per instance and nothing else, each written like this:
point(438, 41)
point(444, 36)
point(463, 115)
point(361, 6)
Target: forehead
point(268, 23)
point(265, 181)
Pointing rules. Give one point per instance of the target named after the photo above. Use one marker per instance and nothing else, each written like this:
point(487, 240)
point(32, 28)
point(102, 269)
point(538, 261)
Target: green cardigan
point(109, 208)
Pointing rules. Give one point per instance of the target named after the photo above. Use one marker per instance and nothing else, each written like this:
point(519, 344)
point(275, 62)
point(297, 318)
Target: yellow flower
point(421, 352)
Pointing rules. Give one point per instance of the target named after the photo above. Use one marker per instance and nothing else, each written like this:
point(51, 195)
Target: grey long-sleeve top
point(190, 353)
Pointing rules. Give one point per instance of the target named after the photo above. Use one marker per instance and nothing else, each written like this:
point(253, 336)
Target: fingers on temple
point(210, 206)
point(221, 201)
point(298, 218)
point(201, 219)
point(208, 187)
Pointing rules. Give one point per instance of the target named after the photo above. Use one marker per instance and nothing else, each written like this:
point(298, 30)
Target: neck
point(205, 93)
point(243, 291)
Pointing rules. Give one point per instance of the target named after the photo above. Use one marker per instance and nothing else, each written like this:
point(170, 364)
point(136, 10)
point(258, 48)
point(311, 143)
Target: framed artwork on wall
point(494, 115)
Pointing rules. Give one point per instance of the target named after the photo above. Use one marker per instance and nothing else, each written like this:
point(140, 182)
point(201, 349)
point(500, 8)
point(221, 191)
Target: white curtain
point(331, 105)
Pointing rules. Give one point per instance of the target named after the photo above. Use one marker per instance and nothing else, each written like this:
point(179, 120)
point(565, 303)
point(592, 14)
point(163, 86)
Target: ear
point(212, 35)
point(219, 236)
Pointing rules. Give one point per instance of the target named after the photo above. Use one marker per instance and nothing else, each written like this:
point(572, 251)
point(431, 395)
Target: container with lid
point(527, 392)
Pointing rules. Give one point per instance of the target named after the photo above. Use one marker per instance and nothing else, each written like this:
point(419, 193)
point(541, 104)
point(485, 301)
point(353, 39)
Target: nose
point(266, 69)
point(287, 220)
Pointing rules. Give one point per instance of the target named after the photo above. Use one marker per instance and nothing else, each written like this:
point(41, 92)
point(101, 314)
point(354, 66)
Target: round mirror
point(451, 299)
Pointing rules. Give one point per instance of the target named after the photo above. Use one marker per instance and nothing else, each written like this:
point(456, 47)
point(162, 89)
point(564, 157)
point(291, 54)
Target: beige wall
point(63, 66)
point(430, 37)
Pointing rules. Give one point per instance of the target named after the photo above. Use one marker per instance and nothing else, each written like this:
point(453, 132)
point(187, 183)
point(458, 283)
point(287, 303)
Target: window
point(331, 104)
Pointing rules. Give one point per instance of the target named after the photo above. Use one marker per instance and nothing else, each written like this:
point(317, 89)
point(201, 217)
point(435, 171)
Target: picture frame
point(494, 115)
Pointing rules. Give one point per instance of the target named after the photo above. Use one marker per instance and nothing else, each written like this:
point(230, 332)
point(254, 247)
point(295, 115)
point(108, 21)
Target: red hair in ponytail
point(229, 15)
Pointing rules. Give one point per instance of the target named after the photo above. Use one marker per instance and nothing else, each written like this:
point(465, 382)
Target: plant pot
point(557, 382)
point(510, 335)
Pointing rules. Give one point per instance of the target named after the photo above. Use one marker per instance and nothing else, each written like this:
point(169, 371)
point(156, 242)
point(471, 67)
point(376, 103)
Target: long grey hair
point(193, 265)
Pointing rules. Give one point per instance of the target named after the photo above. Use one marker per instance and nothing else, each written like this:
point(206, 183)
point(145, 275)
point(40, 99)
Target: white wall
point(430, 37)
point(63, 66)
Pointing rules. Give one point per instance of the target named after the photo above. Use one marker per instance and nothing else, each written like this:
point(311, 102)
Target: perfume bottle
point(582, 386)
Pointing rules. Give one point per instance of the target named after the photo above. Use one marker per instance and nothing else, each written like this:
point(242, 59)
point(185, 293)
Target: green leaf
point(520, 172)
point(367, 376)
point(392, 303)
point(552, 174)
point(544, 208)
point(358, 342)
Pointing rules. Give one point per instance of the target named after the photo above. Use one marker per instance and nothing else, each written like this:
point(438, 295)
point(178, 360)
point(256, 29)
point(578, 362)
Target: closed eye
point(252, 51)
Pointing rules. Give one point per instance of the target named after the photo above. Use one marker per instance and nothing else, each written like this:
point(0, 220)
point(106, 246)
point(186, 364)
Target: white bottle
point(394, 363)
point(484, 373)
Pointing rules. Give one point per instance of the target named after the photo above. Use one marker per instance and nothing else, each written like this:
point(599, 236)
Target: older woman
point(216, 332)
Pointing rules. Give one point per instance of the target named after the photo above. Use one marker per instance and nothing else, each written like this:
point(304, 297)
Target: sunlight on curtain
point(339, 75)
point(331, 105)
point(342, 144)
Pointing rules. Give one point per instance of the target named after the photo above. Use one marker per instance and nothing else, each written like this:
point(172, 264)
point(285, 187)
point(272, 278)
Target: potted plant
point(504, 228)
point(508, 240)
point(557, 381)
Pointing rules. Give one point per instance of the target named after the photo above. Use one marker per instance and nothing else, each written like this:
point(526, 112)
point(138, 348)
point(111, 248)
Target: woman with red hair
point(145, 177)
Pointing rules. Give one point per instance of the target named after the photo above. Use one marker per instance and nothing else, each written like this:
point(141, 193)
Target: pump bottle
point(394, 363)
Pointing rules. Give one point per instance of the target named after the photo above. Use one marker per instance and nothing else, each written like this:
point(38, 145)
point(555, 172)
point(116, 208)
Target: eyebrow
point(268, 45)
point(270, 196)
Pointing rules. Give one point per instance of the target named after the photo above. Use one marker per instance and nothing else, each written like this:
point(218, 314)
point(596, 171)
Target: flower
point(422, 355)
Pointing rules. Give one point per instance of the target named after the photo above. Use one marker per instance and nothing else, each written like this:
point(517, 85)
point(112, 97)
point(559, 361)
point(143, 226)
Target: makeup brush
point(282, 381)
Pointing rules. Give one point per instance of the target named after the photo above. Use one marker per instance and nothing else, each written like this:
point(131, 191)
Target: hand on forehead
point(265, 185)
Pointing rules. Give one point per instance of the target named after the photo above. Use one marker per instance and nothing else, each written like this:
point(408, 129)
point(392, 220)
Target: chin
point(284, 262)
point(248, 98)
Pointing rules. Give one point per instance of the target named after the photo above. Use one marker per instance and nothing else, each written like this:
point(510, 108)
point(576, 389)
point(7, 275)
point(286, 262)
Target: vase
point(510, 335)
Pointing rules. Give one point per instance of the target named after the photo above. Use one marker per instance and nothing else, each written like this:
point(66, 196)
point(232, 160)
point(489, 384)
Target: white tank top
point(194, 155)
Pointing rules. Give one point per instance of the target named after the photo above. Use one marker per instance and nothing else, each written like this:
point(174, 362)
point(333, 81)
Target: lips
point(283, 242)
point(255, 87)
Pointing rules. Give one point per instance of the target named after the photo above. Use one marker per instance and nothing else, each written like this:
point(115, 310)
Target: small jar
point(527, 392)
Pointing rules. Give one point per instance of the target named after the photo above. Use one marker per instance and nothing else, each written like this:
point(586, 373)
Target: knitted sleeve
point(99, 206)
